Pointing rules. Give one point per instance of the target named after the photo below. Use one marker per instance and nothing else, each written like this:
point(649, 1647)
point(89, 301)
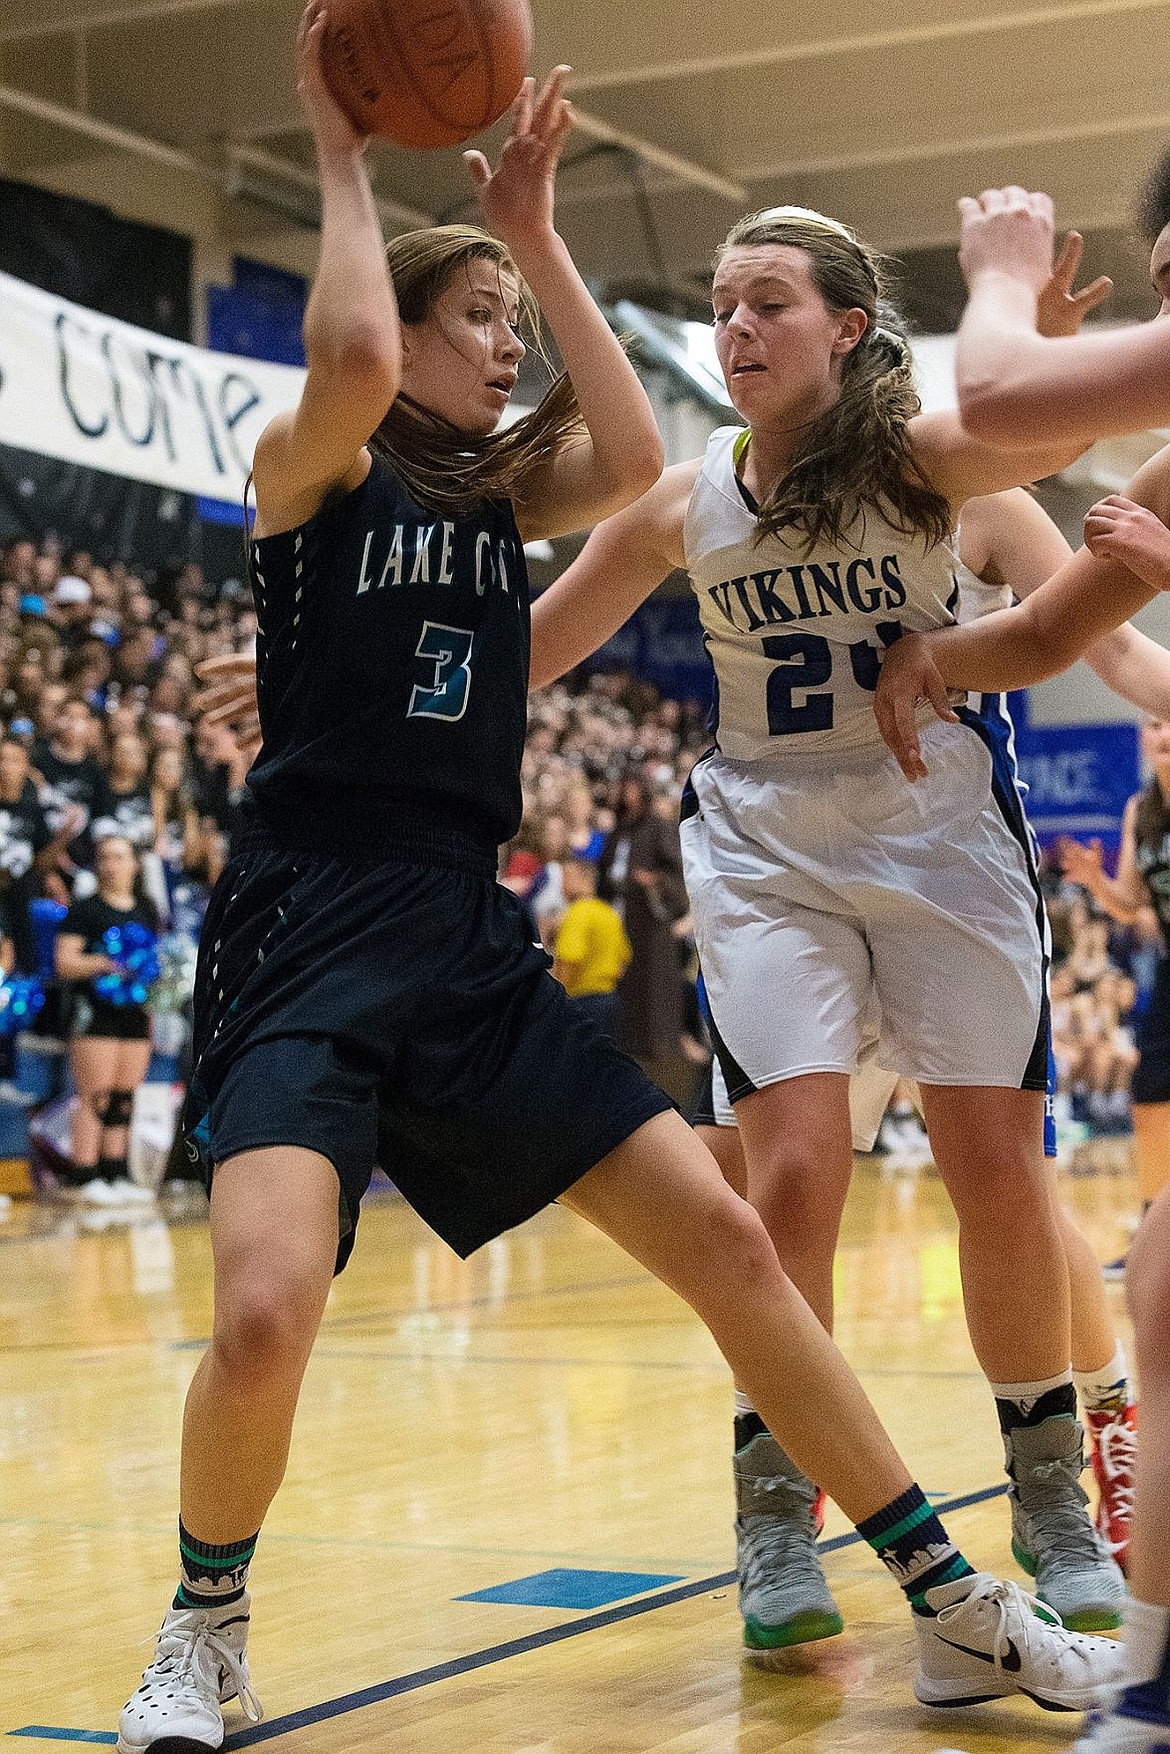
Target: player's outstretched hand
point(517, 197)
point(909, 675)
point(1116, 529)
point(1007, 231)
point(228, 696)
point(1059, 310)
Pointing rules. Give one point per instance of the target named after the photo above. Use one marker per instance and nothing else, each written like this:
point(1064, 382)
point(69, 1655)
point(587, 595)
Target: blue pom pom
point(135, 948)
point(21, 997)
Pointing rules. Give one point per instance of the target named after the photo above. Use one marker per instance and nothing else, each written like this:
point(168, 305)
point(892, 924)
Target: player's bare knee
point(264, 1329)
point(792, 1192)
point(738, 1240)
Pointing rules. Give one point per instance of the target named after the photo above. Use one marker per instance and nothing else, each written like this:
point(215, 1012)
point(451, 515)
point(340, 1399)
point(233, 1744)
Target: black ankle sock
point(913, 1545)
point(1058, 1403)
point(748, 1426)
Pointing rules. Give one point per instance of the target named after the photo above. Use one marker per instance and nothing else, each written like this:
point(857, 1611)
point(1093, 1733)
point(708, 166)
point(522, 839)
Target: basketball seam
point(420, 93)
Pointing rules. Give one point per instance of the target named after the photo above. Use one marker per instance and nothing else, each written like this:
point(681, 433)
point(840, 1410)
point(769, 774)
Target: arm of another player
point(620, 452)
point(1023, 547)
point(1123, 566)
point(961, 464)
point(1122, 896)
point(1017, 387)
point(352, 341)
point(625, 559)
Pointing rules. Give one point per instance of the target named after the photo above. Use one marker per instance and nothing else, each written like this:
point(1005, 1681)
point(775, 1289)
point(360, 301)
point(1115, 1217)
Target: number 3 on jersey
point(444, 694)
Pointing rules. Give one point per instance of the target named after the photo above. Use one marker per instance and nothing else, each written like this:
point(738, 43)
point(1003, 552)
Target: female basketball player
point(1116, 381)
point(368, 991)
point(1008, 546)
point(814, 537)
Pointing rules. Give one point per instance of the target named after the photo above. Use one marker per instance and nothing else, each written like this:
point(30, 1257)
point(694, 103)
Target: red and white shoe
point(1113, 1443)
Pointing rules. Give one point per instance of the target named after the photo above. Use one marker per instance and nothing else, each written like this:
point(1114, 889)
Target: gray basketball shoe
point(783, 1596)
point(1052, 1535)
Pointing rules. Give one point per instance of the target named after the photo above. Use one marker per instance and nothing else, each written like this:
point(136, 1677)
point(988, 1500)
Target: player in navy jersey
point(367, 990)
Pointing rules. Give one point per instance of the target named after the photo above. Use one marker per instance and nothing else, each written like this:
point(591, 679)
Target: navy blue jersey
point(1153, 861)
point(392, 669)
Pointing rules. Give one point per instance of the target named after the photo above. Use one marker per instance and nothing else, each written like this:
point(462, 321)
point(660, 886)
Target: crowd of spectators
point(98, 734)
point(604, 767)
point(1102, 977)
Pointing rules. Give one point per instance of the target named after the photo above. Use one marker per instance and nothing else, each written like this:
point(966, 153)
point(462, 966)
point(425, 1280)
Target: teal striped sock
point(913, 1545)
point(212, 1576)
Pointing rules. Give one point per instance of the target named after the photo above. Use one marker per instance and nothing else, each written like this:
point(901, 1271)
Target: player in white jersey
point(823, 886)
point(1008, 545)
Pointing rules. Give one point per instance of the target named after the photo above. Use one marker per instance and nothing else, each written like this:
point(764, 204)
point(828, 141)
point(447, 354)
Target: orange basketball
point(426, 72)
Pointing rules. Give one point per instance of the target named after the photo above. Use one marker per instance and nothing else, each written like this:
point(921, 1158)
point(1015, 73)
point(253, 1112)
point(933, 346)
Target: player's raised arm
point(625, 558)
point(620, 453)
point(1018, 387)
point(1093, 592)
point(352, 341)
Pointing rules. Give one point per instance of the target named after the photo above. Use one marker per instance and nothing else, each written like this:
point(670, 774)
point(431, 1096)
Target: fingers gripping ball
point(426, 72)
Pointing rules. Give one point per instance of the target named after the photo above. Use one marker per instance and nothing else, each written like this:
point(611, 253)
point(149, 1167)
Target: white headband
point(810, 216)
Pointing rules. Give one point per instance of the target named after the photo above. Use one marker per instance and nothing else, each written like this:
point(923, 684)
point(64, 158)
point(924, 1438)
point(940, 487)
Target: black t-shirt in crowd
point(127, 813)
point(392, 668)
point(23, 833)
point(89, 920)
point(68, 783)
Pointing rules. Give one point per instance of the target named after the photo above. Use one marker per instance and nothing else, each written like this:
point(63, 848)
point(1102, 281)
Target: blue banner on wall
point(663, 643)
point(1079, 779)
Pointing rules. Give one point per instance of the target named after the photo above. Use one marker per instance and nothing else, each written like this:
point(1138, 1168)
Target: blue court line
point(482, 1659)
point(48, 1735)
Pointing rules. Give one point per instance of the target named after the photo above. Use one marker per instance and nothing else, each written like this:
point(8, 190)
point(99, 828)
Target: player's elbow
point(633, 468)
point(365, 356)
point(991, 411)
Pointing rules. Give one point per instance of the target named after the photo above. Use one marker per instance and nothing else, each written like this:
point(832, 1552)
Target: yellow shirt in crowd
point(591, 937)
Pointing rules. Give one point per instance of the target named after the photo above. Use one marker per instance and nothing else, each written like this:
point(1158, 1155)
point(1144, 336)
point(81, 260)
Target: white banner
point(88, 389)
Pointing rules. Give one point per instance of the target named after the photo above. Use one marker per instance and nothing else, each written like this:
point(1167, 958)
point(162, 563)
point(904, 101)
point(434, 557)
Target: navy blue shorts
point(1151, 1080)
point(388, 1013)
point(702, 1112)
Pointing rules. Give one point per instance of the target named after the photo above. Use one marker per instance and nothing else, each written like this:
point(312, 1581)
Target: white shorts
point(835, 891)
point(870, 1090)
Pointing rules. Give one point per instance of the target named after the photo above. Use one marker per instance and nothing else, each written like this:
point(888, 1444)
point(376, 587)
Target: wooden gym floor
point(544, 1412)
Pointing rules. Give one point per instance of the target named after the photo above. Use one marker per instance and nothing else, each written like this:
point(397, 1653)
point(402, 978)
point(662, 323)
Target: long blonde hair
point(858, 453)
point(444, 467)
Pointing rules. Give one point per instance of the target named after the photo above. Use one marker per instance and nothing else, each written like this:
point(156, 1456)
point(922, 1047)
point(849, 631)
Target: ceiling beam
point(42, 109)
point(99, 18)
point(93, 128)
point(859, 42)
point(684, 169)
point(286, 170)
point(1110, 128)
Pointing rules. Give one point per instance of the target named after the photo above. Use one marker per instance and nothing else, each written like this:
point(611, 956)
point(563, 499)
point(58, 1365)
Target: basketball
point(426, 74)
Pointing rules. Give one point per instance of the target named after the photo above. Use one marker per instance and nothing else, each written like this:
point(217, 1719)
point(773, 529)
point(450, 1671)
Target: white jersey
point(976, 596)
point(796, 640)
